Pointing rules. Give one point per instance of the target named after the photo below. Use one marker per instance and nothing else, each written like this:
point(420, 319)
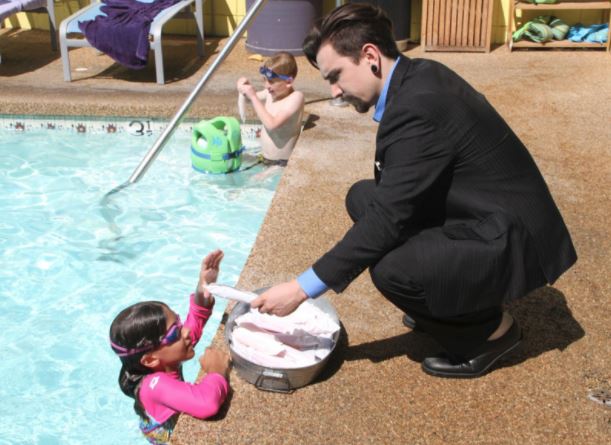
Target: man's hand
point(281, 299)
point(208, 274)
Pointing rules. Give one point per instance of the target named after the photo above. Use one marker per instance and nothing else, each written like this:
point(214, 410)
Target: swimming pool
point(72, 262)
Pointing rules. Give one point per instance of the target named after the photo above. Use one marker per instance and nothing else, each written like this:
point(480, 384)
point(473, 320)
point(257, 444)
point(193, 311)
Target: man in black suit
point(458, 219)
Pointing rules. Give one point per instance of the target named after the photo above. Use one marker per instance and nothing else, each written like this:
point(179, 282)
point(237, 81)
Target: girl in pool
point(152, 343)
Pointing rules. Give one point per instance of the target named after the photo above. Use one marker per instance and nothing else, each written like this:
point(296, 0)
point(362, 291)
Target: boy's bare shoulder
point(298, 93)
point(296, 96)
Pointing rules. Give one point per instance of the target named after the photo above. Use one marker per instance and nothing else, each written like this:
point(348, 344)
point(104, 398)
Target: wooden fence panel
point(456, 25)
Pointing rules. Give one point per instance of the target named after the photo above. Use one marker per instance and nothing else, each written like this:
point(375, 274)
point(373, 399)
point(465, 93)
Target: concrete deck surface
point(373, 391)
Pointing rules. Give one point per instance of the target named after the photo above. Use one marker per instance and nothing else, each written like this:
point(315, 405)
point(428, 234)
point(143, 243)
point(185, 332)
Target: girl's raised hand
point(208, 274)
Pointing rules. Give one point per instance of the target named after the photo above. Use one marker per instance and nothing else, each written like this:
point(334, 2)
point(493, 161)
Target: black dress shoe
point(444, 366)
point(409, 322)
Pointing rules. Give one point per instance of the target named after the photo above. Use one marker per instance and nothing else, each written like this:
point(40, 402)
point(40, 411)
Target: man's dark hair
point(348, 28)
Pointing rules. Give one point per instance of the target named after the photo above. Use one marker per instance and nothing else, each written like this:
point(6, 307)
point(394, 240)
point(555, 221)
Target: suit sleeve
point(415, 161)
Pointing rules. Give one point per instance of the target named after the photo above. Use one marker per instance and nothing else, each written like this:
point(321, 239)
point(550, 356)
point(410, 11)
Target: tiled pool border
point(134, 126)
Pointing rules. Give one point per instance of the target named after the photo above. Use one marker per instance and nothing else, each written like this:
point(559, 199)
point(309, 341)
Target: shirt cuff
point(311, 284)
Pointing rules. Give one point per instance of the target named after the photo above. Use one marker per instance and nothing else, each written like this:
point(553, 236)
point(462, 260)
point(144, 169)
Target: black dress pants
point(462, 336)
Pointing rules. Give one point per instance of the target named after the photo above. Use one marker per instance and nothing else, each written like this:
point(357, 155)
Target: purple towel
point(123, 33)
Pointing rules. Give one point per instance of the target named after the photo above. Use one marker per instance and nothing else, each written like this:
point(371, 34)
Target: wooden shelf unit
point(545, 8)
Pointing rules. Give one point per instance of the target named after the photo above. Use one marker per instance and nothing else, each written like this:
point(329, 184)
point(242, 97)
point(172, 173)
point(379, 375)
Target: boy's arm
point(262, 95)
point(293, 104)
point(246, 89)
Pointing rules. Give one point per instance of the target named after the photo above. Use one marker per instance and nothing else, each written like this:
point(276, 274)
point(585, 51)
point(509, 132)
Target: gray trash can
point(399, 12)
point(282, 25)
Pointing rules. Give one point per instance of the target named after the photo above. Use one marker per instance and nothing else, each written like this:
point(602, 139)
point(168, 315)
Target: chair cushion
point(90, 14)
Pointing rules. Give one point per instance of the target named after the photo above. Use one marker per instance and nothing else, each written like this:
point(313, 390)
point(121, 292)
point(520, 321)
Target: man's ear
point(149, 360)
point(370, 53)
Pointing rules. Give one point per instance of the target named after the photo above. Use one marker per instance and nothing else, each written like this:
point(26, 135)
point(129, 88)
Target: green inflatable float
point(216, 145)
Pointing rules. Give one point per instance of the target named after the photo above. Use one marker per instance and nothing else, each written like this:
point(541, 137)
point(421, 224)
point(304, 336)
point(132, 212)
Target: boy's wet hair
point(137, 326)
point(282, 63)
point(348, 28)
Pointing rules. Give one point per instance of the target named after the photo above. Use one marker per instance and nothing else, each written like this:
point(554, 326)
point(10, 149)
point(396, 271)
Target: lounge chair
point(70, 34)
point(10, 7)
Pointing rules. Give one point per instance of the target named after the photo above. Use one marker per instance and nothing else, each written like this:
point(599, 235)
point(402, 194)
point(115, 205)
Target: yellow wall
point(28, 20)
point(222, 16)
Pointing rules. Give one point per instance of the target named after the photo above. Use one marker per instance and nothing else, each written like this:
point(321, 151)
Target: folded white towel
point(242, 107)
point(230, 293)
point(308, 318)
point(259, 340)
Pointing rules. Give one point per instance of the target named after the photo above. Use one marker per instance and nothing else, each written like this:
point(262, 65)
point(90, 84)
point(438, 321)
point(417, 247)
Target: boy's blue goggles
point(269, 74)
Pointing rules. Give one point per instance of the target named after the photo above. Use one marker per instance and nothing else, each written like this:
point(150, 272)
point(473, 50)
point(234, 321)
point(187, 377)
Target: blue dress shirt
point(381, 104)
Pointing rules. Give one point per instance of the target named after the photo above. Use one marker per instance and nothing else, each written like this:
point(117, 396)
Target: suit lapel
point(396, 82)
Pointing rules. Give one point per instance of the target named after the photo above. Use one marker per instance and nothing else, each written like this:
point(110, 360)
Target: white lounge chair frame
point(77, 39)
point(52, 22)
point(50, 9)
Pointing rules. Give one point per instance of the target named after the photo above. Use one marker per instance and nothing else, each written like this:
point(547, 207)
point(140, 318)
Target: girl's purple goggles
point(171, 336)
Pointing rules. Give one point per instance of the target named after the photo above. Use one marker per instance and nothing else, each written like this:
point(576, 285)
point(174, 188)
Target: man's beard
point(358, 104)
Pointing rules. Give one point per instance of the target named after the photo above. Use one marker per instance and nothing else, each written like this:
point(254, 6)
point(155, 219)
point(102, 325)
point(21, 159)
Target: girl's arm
point(202, 301)
point(162, 396)
point(208, 274)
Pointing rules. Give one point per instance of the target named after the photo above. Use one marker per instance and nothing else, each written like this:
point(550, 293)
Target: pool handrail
point(169, 130)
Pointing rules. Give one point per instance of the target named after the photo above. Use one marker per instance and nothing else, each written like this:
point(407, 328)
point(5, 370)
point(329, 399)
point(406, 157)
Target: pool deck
point(373, 391)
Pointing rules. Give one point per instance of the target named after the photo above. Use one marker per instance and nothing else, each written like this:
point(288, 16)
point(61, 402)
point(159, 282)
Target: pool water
point(72, 261)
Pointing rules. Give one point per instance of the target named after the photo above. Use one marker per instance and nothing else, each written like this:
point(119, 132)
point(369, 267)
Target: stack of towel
point(298, 340)
point(301, 339)
point(546, 28)
point(543, 28)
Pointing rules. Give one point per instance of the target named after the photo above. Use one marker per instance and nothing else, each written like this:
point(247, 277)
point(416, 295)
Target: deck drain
point(601, 396)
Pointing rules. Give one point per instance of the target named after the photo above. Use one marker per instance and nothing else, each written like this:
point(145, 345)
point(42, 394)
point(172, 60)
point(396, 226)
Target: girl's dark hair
point(348, 28)
point(141, 325)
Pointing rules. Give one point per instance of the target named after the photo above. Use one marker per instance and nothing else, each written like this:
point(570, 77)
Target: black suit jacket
point(459, 190)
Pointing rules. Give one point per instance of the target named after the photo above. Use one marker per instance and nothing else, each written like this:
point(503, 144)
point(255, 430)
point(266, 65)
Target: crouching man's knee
point(358, 198)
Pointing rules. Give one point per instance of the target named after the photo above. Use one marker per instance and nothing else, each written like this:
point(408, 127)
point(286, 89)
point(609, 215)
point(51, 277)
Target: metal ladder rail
point(169, 130)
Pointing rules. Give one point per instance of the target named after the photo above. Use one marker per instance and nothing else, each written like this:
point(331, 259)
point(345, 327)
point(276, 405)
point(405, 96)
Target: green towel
point(542, 29)
point(559, 28)
point(536, 30)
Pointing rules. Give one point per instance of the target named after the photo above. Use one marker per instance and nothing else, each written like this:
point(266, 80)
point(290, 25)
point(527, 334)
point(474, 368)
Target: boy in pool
point(279, 107)
point(152, 343)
